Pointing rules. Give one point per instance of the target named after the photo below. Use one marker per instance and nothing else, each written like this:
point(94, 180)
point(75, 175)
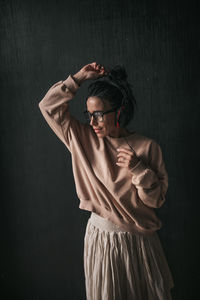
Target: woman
point(120, 177)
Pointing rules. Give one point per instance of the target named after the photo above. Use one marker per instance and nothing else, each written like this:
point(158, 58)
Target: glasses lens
point(98, 116)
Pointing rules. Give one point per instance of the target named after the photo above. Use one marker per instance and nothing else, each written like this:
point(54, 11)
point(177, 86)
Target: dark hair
point(115, 89)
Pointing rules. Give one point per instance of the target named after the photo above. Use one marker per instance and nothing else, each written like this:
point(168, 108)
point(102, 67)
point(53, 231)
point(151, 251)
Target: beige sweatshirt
point(125, 197)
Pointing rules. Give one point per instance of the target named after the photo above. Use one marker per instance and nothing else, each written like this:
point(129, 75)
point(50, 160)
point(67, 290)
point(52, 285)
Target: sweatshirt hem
point(129, 227)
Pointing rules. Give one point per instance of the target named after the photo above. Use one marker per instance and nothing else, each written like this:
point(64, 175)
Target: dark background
point(42, 42)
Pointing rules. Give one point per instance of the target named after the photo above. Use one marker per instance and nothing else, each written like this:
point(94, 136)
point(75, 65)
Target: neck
point(120, 132)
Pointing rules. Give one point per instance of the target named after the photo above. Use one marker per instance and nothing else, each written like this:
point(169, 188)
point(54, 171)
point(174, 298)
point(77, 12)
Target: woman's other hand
point(127, 158)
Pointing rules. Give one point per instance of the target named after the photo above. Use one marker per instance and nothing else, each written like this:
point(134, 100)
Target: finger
point(125, 150)
point(102, 72)
point(124, 155)
point(102, 68)
point(120, 164)
point(94, 65)
point(97, 65)
point(121, 159)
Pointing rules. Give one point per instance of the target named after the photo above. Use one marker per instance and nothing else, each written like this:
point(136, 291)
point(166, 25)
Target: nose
point(93, 121)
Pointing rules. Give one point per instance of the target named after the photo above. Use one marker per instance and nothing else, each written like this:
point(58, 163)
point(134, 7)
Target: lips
point(97, 129)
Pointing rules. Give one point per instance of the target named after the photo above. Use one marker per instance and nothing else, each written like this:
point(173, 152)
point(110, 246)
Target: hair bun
point(117, 73)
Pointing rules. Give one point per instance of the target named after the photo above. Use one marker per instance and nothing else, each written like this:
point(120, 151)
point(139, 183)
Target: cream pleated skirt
point(120, 265)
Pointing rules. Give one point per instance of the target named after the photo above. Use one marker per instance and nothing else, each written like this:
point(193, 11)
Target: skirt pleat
point(120, 265)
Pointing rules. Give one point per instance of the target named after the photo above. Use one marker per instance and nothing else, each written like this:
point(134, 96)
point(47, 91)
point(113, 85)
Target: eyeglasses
point(97, 115)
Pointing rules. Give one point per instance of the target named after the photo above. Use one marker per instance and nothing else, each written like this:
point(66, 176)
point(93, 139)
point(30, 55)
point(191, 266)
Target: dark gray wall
point(42, 43)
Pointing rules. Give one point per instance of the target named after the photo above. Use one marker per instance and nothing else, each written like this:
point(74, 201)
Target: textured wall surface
point(42, 43)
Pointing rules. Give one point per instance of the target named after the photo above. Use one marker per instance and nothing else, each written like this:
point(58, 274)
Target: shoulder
point(146, 147)
point(142, 140)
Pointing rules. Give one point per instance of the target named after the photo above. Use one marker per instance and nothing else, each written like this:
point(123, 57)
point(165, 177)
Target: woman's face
point(107, 126)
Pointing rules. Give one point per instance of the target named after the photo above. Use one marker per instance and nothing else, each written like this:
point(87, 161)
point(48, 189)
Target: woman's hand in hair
point(90, 71)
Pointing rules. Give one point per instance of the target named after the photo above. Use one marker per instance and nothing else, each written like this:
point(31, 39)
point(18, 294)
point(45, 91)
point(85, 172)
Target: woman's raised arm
point(55, 104)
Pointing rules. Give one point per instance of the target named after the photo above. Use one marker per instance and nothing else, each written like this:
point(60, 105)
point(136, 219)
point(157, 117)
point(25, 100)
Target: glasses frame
point(102, 112)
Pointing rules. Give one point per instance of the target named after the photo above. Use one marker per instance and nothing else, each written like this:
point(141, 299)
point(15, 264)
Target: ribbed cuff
point(71, 84)
point(75, 80)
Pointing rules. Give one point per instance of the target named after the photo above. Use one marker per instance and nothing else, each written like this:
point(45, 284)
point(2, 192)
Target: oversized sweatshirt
point(126, 197)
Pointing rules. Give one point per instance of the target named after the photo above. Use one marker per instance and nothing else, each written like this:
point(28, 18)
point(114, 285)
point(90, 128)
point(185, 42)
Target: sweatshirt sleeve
point(55, 109)
point(151, 180)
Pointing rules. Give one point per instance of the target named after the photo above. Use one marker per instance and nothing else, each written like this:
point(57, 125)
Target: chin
point(100, 135)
